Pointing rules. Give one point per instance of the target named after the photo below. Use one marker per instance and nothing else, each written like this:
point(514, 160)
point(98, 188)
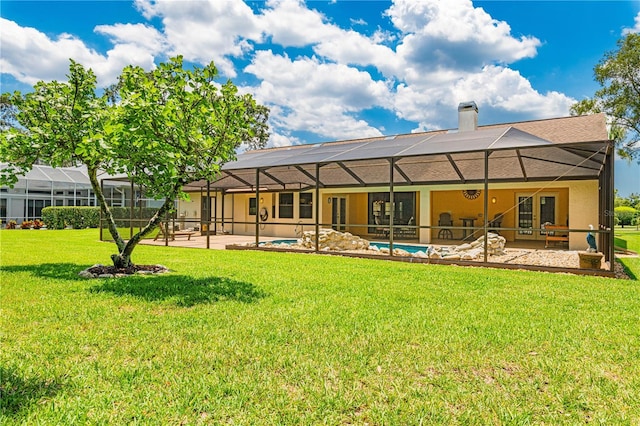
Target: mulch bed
point(100, 271)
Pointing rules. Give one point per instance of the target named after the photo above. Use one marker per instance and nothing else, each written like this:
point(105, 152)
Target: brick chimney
point(467, 116)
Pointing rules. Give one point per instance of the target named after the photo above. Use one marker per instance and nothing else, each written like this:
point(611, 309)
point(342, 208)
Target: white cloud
point(291, 24)
point(203, 31)
point(143, 36)
point(506, 89)
point(308, 95)
point(30, 56)
point(636, 27)
point(493, 88)
point(359, 21)
point(455, 34)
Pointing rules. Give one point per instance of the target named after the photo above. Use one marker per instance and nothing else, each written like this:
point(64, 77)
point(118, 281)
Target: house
point(45, 186)
point(514, 178)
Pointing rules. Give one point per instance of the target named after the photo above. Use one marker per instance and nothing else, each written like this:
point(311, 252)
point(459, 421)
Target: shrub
point(625, 215)
point(12, 224)
point(76, 217)
point(89, 217)
point(26, 224)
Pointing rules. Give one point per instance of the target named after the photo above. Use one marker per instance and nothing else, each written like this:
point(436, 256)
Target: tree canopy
point(618, 74)
point(170, 126)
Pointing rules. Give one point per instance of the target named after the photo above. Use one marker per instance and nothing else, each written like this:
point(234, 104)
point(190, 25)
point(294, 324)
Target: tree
point(625, 215)
point(171, 126)
point(618, 72)
point(7, 112)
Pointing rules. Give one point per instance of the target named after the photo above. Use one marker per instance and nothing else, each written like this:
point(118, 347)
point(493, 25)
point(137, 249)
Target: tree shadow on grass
point(18, 393)
point(186, 291)
point(627, 270)
point(62, 271)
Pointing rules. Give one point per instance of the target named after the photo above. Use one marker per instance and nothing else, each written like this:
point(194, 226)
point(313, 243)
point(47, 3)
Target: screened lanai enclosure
point(537, 184)
point(45, 186)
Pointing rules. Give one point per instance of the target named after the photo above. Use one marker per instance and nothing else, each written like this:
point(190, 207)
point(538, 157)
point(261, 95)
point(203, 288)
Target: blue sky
point(334, 70)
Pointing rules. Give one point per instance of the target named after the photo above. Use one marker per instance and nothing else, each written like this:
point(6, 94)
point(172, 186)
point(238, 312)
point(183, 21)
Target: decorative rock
point(333, 240)
point(452, 257)
point(400, 252)
point(475, 249)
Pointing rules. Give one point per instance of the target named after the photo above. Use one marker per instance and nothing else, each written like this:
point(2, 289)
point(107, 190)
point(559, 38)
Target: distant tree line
point(627, 209)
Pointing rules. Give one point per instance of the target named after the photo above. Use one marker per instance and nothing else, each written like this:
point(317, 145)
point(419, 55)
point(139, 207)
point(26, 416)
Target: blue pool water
point(407, 247)
point(280, 242)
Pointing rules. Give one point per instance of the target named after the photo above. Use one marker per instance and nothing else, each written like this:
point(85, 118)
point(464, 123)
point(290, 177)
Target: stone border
point(138, 270)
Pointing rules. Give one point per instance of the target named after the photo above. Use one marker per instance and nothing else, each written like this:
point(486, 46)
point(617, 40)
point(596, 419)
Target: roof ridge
point(513, 124)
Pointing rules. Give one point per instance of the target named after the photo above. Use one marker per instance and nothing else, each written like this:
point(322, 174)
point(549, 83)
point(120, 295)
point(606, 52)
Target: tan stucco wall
point(454, 202)
point(583, 211)
point(577, 200)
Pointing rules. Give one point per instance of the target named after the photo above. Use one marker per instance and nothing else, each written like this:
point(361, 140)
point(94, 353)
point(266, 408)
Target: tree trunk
point(120, 261)
point(123, 258)
point(106, 211)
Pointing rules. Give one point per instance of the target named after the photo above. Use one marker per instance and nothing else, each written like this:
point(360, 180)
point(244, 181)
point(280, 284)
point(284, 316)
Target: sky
point(334, 70)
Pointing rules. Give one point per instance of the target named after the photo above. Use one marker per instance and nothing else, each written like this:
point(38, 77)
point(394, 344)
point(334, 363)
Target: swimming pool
point(411, 248)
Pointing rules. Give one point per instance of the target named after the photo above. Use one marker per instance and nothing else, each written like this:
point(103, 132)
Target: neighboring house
point(45, 186)
point(529, 174)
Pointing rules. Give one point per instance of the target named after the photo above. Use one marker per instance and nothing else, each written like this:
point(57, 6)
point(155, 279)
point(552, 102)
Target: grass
point(278, 338)
point(629, 239)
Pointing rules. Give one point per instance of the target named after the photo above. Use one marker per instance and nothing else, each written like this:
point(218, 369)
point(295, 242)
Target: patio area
point(520, 254)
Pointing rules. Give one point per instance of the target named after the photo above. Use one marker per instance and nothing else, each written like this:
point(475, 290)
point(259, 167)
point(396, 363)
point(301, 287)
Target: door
point(534, 210)
point(338, 213)
point(207, 213)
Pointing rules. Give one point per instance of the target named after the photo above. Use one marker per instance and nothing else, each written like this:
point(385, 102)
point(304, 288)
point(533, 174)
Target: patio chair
point(407, 231)
point(380, 230)
point(496, 222)
point(445, 220)
point(165, 231)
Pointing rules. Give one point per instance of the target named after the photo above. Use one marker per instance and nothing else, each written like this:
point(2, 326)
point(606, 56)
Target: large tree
point(618, 72)
point(169, 127)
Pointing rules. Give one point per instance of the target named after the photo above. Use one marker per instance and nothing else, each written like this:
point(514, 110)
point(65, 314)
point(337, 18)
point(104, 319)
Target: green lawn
point(629, 239)
point(251, 338)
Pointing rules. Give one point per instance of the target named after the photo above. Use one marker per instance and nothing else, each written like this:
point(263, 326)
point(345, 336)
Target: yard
point(244, 337)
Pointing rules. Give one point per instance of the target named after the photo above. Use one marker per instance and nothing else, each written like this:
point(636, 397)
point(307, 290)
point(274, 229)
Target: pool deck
point(220, 241)
point(216, 242)
point(526, 254)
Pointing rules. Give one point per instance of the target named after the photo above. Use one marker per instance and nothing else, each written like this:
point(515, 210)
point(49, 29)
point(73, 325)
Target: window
point(34, 208)
point(286, 205)
point(380, 208)
point(3, 210)
point(306, 205)
point(253, 207)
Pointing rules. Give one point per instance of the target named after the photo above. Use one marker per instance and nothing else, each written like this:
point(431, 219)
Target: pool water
point(407, 247)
